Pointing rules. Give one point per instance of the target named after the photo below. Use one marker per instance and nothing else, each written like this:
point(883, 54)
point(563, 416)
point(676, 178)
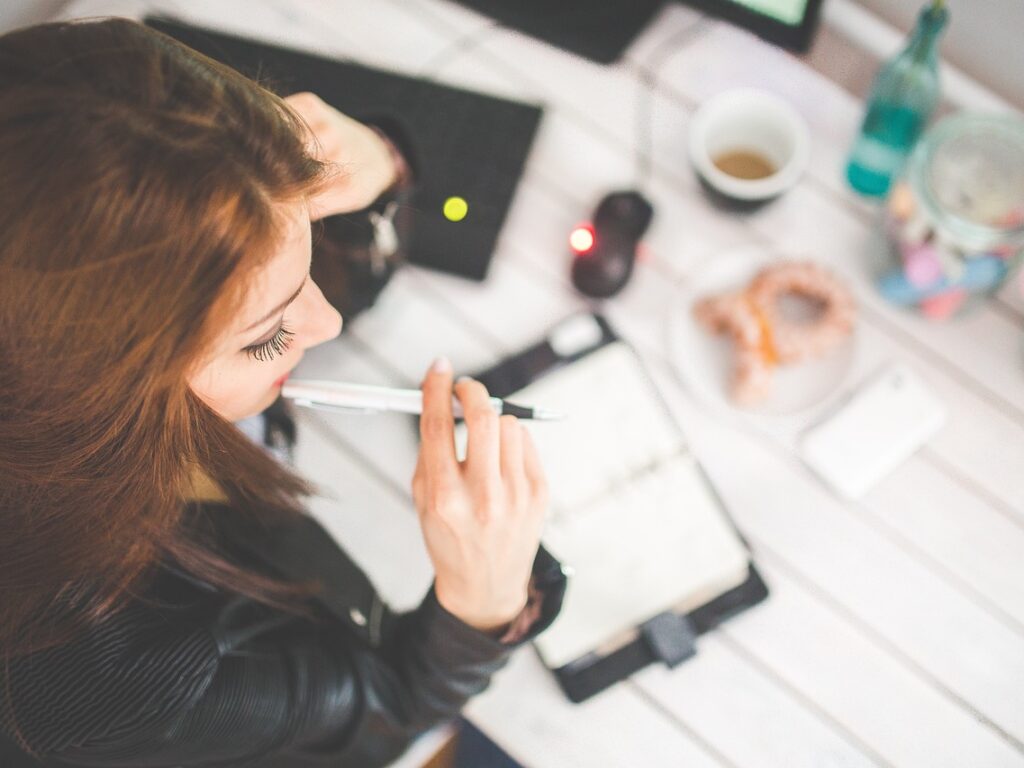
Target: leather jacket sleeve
point(301, 691)
point(194, 677)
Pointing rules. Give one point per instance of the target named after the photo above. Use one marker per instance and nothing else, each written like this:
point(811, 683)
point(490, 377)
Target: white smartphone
point(876, 429)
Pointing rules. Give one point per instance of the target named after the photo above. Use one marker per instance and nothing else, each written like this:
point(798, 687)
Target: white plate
point(705, 360)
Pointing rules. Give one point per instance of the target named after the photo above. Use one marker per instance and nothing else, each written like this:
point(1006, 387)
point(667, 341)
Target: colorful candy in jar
point(955, 221)
point(937, 275)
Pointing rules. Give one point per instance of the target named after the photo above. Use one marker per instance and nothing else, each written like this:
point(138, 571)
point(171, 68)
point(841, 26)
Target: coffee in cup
point(748, 146)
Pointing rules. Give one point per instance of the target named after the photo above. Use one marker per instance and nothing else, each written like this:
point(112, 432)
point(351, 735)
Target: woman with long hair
point(164, 600)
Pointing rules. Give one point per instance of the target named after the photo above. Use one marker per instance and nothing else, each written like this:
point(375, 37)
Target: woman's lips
point(280, 382)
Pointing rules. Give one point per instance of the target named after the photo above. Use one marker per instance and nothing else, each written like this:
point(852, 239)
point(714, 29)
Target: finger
point(321, 144)
point(302, 97)
point(330, 144)
point(306, 103)
point(437, 425)
point(483, 447)
point(511, 447)
point(512, 471)
point(534, 471)
point(417, 482)
point(345, 196)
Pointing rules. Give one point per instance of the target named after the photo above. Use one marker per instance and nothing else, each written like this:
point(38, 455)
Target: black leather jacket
point(188, 675)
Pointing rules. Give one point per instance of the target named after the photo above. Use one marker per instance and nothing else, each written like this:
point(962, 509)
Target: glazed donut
point(763, 338)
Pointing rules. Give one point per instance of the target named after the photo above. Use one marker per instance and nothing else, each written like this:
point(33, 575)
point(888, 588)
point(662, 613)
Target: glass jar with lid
point(955, 220)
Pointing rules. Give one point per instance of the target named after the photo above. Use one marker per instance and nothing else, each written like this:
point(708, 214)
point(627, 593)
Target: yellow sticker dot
point(455, 209)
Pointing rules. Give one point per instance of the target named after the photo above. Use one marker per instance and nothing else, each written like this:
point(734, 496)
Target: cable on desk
point(648, 76)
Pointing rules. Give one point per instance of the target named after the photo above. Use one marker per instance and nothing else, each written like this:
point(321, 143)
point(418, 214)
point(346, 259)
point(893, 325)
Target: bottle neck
point(924, 43)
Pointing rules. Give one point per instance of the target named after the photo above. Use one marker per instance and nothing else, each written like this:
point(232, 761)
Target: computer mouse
point(604, 261)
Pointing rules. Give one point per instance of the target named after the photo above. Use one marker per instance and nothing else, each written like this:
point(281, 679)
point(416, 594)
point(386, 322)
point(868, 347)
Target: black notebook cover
point(467, 144)
point(667, 638)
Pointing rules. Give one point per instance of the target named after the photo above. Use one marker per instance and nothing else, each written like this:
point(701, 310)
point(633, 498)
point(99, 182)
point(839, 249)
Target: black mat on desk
point(467, 144)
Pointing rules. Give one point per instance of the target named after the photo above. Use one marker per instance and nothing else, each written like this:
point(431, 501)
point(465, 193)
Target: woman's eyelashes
point(276, 345)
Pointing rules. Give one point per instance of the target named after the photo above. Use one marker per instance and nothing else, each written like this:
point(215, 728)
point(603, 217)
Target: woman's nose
point(322, 321)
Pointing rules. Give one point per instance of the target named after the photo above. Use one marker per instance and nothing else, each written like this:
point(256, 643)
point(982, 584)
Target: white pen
point(367, 398)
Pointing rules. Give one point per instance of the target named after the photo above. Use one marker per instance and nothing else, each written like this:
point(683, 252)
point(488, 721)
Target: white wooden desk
point(895, 630)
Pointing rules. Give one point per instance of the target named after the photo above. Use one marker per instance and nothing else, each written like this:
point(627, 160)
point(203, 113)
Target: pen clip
point(333, 408)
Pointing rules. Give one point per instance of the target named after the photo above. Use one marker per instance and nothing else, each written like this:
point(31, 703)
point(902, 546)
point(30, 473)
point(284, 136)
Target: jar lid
point(969, 171)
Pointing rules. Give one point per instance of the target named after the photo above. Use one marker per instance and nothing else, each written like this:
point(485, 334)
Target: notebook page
point(613, 430)
point(661, 542)
point(631, 512)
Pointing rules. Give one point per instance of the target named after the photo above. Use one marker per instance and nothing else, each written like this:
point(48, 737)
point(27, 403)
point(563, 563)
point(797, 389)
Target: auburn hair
point(141, 184)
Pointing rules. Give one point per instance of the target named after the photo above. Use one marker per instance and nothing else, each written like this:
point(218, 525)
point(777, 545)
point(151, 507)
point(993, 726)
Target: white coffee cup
point(749, 120)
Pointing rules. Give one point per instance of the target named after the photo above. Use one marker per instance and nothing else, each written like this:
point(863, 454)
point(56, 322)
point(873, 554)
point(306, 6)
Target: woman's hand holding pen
point(481, 518)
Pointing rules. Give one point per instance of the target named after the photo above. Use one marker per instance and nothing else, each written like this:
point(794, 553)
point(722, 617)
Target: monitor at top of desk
point(789, 23)
point(602, 29)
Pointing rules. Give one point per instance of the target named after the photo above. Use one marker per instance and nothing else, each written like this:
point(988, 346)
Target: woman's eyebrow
point(280, 306)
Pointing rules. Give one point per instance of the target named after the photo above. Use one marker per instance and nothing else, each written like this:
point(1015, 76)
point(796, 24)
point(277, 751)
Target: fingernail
point(463, 378)
point(442, 365)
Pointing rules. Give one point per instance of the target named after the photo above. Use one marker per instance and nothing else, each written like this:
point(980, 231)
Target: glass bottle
point(902, 98)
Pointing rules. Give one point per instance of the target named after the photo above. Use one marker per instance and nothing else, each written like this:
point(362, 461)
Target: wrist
point(400, 171)
point(494, 619)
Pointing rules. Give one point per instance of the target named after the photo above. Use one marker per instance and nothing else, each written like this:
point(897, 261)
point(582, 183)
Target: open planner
point(654, 557)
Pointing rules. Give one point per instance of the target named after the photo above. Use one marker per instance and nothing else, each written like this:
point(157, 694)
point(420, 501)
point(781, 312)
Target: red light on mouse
point(582, 239)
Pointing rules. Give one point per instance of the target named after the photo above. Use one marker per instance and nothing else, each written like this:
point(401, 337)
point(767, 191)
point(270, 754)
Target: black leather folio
point(668, 637)
point(467, 144)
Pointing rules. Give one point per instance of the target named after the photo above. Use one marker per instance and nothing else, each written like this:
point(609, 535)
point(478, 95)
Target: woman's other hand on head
point(364, 164)
point(482, 517)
